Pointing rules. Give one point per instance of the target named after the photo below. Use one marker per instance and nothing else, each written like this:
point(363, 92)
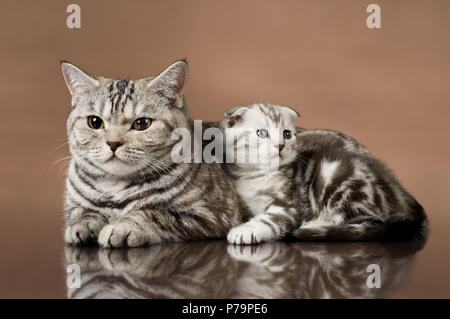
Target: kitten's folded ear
point(78, 81)
point(171, 82)
point(234, 115)
point(235, 111)
point(290, 111)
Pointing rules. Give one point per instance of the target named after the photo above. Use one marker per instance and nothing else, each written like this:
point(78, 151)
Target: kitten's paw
point(121, 235)
point(82, 232)
point(244, 235)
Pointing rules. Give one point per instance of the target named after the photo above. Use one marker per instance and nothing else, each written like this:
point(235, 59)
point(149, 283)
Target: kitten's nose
point(114, 145)
point(280, 147)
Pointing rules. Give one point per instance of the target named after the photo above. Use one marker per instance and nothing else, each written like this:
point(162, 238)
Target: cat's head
point(264, 132)
point(123, 127)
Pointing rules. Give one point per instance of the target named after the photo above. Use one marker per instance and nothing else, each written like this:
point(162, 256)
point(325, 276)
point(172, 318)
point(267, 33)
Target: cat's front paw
point(85, 257)
point(137, 262)
point(245, 234)
point(121, 235)
point(82, 232)
point(254, 254)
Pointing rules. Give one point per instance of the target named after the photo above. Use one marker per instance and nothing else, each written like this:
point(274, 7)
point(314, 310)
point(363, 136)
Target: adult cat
point(123, 188)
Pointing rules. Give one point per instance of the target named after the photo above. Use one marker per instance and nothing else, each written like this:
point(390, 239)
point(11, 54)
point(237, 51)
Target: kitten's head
point(264, 129)
point(123, 127)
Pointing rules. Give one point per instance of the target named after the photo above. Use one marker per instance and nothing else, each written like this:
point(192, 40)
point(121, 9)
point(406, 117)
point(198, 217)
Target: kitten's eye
point(142, 123)
point(95, 122)
point(287, 134)
point(262, 133)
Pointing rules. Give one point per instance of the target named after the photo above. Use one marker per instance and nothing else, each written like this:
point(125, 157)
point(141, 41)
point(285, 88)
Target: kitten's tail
point(401, 229)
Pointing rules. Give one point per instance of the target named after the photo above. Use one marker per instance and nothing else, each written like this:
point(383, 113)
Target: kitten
point(325, 185)
point(123, 188)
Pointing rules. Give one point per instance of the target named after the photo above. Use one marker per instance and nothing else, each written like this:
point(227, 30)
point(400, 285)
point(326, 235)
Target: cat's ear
point(78, 81)
point(234, 115)
point(171, 82)
point(290, 111)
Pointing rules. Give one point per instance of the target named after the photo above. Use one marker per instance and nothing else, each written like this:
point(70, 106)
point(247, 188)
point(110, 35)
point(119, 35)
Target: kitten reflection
point(218, 270)
point(321, 270)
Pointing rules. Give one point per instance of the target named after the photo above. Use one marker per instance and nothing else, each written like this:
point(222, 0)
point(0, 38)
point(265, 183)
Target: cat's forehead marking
point(272, 115)
point(128, 110)
point(120, 92)
point(270, 112)
point(96, 105)
point(287, 122)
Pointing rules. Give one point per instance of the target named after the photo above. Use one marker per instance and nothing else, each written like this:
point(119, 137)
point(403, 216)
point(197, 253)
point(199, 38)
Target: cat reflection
point(218, 270)
point(173, 270)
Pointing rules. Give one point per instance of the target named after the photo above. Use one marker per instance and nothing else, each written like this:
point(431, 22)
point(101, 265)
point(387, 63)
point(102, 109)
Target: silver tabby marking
point(122, 188)
point(327, 185)
point(211, 269)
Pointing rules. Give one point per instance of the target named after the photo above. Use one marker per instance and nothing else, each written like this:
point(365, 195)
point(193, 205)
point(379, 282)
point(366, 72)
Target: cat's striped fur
point(136, 194)
point(327, 185)
point(304, 270)
point(213, 269)
point(170, 270)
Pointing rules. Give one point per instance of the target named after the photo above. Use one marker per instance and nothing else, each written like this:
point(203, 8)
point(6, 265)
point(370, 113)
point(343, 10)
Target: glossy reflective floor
point(388, 88)
point(218, 270)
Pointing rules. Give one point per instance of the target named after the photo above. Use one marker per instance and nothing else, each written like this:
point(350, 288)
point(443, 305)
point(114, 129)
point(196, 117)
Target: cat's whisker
point(56, 162)
point(63, 168)
point(58, 147)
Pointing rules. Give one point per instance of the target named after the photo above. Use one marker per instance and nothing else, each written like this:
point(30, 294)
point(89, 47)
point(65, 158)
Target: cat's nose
point(114, 145)
point(280, 147)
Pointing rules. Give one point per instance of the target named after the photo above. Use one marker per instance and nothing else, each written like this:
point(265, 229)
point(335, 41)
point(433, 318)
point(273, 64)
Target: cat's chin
point(268, 166)
point(274, 163)
point(117, 167)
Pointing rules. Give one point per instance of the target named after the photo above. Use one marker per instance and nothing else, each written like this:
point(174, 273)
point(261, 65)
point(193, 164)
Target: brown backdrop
point(389, 88)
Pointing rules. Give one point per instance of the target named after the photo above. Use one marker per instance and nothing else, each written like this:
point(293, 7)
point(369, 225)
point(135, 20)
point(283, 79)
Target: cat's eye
point(287, 134)
point(262, 133)
point(95, 122)
point(142, 123)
